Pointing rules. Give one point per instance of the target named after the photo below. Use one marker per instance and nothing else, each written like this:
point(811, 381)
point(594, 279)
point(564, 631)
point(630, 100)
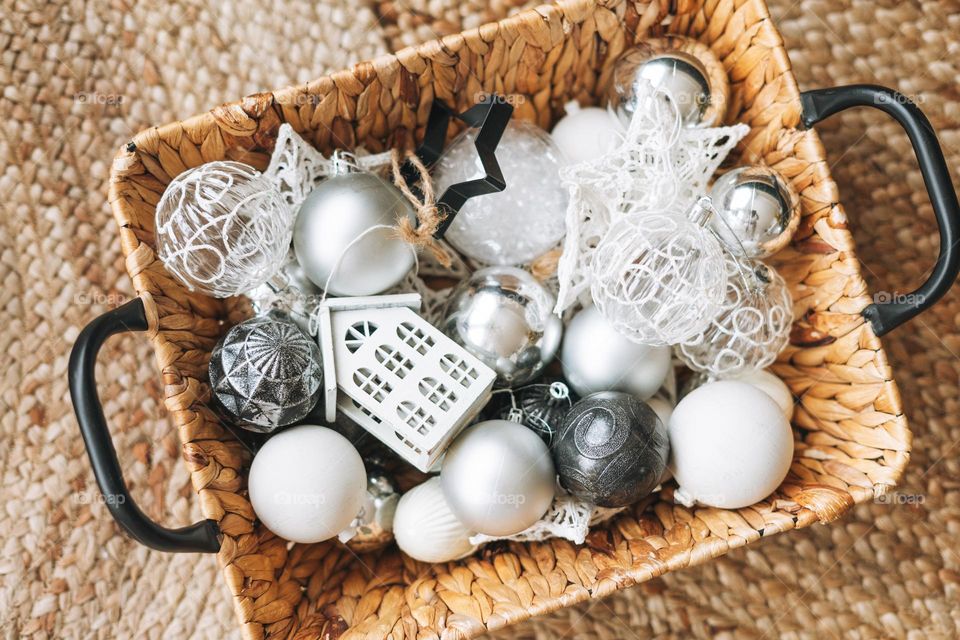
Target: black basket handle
point(820, 104)
point(200, 537)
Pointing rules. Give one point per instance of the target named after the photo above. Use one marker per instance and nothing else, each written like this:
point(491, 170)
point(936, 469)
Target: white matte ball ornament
point(307, 484)
point(426, 530)
point(498, 478)
point(772, 386)
point(730, 445)
point(345, 227)
point(587, 133)
point(596, 357)
point(523, 221)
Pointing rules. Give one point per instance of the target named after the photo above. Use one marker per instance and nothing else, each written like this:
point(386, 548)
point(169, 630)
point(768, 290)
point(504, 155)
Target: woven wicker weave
point(854, 441)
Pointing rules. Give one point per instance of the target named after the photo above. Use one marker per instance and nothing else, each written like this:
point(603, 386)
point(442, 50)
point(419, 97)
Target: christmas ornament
point(753, 325)
point(540, 407)
point(345, 237)
point(611, 449)
point(307, 483)
point(677, 67)
point(425, 527)
point(586, 133)
point(731, 446)
point(659, 166)
point(659, 278)
point(372, 529)
point(772, 386)
point(568, 517)
point(524, 220)
point(222, 228)
point(758, 211)
point(498, 478)
point(400, 378)
point(662, 407)
point(502, 315)
point(596, 357)
point(266, 372)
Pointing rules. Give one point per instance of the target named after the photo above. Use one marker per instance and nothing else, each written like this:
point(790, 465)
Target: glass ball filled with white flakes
point(523, 221)
point(223, 228)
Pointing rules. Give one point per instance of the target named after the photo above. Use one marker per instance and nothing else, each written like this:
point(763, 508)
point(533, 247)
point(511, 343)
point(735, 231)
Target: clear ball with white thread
point(222, 228)
point(659, 277)
point(752, 328)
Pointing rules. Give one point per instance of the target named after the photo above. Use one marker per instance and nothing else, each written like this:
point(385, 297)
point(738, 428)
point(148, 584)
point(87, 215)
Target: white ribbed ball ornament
point(307, 484)
point(730, 445)
point(426, 529)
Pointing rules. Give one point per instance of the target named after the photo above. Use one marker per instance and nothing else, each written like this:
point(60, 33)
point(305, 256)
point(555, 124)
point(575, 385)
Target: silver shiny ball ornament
point(596, 357)
point(682, 77)
point(374, 523)
point(498, 478)
point(758, 211)
point(266, 372)
point(504, 317)
point(345, 228)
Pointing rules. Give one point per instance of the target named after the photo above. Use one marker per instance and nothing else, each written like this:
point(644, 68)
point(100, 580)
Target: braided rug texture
point(79, 79)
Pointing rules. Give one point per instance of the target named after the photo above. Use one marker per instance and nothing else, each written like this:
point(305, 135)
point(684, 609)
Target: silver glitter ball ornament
point(504, 317)
point(266, 372)
point(679, 75)
point(345, 228)
point(374, 523)
point(757, 211)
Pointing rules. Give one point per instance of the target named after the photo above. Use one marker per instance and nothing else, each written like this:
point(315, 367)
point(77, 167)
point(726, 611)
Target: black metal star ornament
point(491, 118)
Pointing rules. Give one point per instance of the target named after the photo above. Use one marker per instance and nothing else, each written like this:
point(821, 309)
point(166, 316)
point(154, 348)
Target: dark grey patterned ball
point(611, 450)
point(266, 372)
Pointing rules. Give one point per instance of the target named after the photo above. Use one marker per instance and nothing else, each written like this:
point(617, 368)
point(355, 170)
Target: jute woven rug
point(78, 78)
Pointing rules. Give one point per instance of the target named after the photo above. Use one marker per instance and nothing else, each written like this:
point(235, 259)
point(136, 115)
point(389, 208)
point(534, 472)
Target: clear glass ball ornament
point(523, 221)
point(222, 228)
point(752, 328)
point(659, 278)
point(758, 211)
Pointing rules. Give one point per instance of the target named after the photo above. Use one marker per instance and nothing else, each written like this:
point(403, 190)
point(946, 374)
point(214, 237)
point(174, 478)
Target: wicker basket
point(853, 440)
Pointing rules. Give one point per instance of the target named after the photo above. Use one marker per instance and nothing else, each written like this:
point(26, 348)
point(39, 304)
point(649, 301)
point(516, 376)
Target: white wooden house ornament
point(399, 377)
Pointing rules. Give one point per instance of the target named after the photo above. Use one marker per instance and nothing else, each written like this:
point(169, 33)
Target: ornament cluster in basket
point(537, 396)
